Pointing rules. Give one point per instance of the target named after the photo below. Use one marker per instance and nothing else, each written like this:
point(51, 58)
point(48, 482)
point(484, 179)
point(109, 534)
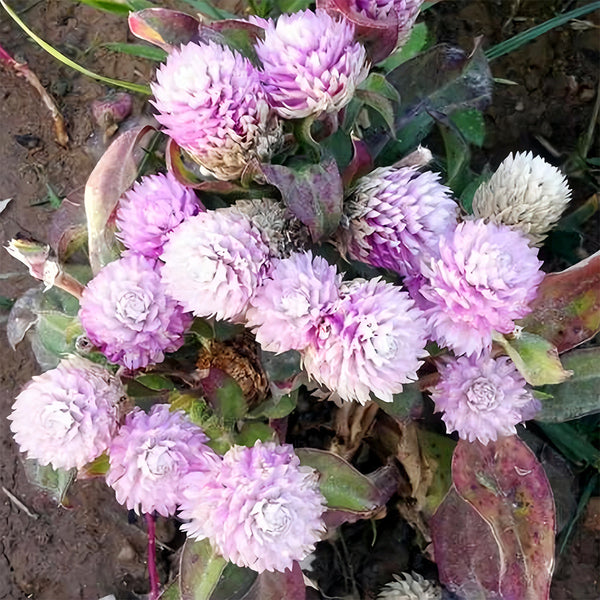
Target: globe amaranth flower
point(151, 210)
point(260, 510)
point(67, 416)
point(396, 217)
point(213, 264)
point(287, 308)
point(150, 456)
point(211, 102)
point(407, 15)
point(482, 397)
point(410, 586)
point(525, 193)
point(128, 314)
point(485, 278)
point(373, 340)
point(311, 64)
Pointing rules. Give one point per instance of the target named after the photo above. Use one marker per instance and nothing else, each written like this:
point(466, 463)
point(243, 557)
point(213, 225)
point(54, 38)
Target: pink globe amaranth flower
point(407, 16)
point(482, 397)
point(211, 102)
point(287, 308)
point(311, 64)
point(260, 510)
point(373, 340)
point(485, 278)
point(151, 210)
point(151, 454)
point(396, 218)
point(128, 314)
point(213, 264)
point(67, 416)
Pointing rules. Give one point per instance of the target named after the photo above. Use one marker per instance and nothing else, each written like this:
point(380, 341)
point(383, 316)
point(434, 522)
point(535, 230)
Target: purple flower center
point(483, 395)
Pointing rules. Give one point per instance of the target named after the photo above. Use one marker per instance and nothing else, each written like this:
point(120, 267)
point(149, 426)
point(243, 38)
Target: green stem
point(303, 135)
point(133, 87)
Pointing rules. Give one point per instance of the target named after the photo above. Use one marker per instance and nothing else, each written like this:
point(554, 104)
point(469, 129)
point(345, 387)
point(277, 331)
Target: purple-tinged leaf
point(379, 36)
point(68, 230)
point(507, 486)
point(240, 35)
point(114, 173)
point(163, 27)
point(578, 396)
point(566, 310)
point(313, 193)
point(361, 163)
point(466, 553)
point(274, 586)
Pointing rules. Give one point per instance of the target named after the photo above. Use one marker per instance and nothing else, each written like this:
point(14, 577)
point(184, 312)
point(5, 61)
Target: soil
point(93, 549)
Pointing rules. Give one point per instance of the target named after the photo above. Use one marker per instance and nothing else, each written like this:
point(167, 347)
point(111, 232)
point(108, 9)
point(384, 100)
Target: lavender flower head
point(127, 313)
point(211, 102)
point(485, 278)
point(311, 64)
point(150, 456)
point(287, 308)
point(372, 341)
point(396, 217)
point(213, 264)
point(151, 210)
point(260, 510)
point(67, 416)
point(482, 398)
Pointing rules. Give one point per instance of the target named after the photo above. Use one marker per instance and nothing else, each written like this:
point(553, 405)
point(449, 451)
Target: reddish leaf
point(164, 28)
point(274, 586)
point(466, 552)
point(507, 486)
point(361, 163)
point(567, 309)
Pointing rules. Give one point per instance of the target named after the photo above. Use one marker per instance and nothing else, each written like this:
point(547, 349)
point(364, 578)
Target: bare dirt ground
point(92, 550)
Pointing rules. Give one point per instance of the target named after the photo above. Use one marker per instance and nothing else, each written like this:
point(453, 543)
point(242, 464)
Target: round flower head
point(396, 217)
point(213, 264)
point(407, 15)
point(311, 64)
point(410, 586)
point(210, 101)
point(287, 308)
point(482, 398)
point(485, 278)
point(151, 454)
point(67, 416)
point(127, 313)
point(151, 210)
point(372, 341)
point(260, 510)
point(525, 193)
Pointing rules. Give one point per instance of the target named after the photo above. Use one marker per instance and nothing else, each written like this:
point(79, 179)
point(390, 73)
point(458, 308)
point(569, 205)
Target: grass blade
point(132, 87)
point(140, 50)
point(206, 8)
point(117, 7)
point(527, 36)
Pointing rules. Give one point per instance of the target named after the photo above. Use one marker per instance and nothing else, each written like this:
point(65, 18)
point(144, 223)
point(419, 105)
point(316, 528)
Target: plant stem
point(152, 571)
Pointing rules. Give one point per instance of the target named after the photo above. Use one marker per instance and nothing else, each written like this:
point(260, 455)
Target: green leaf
point(251, 432)
point(535, 358)
point(276, 407)
point(210, 10)
point(118, 7)
point(149, 52)
point(466, 196)
point(572, 444)
point(227, 398)
point(55, 482)
point(98, 467)
point(419, 40)
point(458, 157)
point(437, 450)
point(404, 403)
point(58, 332)
point(343, 486)
point(378, 84)
point(156, 382)
point(471, 125)
point(578, 396)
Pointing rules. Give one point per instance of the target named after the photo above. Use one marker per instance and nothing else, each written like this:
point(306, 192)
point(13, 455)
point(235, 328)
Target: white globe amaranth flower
point(410, 586)
point(67, 416)
point(525, 193)
point(261, 509)
point(214, 263)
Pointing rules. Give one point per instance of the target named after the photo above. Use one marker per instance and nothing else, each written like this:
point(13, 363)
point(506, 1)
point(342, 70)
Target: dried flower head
point(213, 264)
point(311, 64)
point(485, 278)
point(67, 416)
point(373, 340)
point(151, 210)
point(260, 510)
point(127, 313)
point(525, 193)
point(410, 586)
point(482, 397)
point(396, 217)
point(287, 308)
point(151, 454)
point(211, 102)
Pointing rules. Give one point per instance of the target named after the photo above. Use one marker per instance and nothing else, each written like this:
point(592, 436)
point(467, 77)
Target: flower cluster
point(260, 509)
